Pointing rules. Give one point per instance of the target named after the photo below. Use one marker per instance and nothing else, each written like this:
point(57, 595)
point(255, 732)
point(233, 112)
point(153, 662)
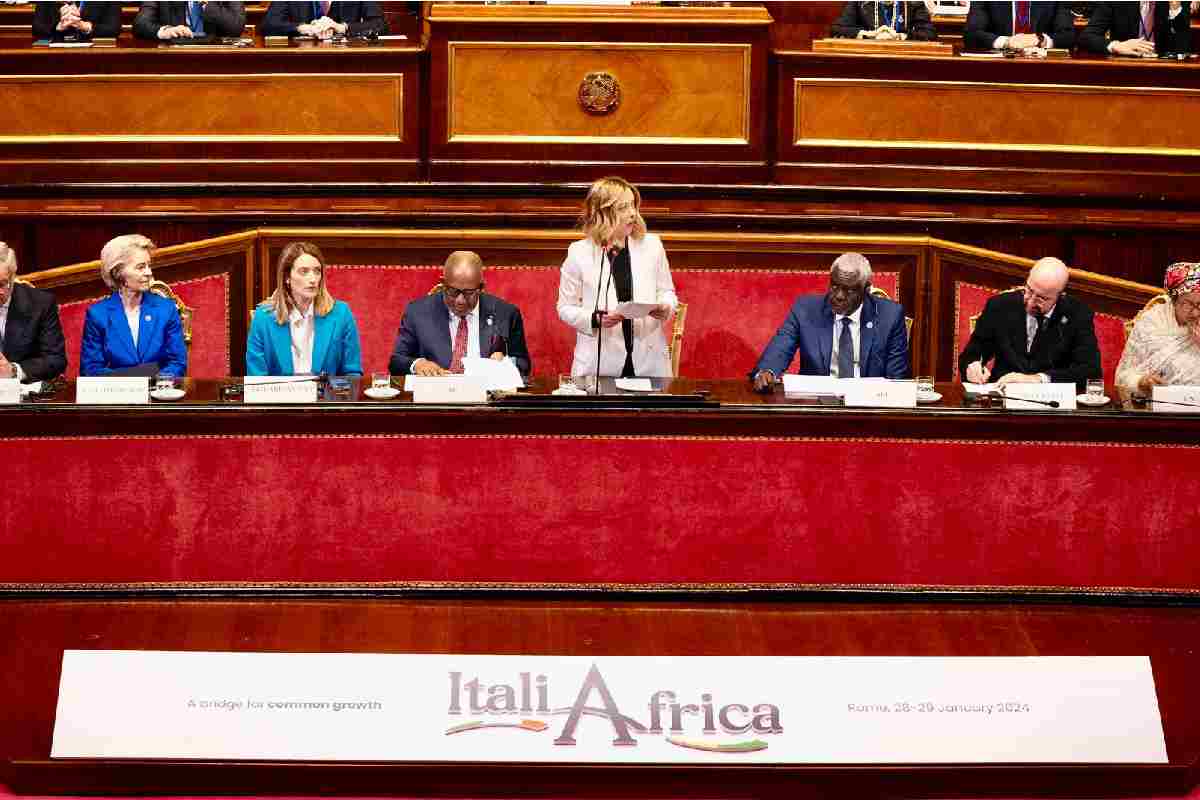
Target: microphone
point(607, 249)
point(322, 380)
point(1141, 398)
point(1002, 396)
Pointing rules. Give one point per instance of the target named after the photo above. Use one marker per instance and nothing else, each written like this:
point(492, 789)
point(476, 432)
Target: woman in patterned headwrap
point(1164, 346)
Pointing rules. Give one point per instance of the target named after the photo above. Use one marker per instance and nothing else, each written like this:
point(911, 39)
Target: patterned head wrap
point(1182, 277)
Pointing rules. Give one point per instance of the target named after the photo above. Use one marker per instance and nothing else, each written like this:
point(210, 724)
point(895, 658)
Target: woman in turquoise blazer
point(301, 329)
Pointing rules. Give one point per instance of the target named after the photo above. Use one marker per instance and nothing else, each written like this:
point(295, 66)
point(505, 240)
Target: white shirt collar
point(855, 315)
point(296, 315)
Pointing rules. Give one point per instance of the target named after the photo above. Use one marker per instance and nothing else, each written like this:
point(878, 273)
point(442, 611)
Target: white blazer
point(577, 290)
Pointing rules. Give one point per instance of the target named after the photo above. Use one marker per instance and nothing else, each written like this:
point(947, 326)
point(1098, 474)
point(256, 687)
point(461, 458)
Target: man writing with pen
point(1039, 334)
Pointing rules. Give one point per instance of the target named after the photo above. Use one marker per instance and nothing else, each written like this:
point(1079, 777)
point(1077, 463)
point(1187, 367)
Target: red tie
point(1022, 21)
point(460, 346)
point(1147, 19)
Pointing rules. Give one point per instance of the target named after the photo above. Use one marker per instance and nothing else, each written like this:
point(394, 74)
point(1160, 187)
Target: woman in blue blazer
point(132, 330)
point(301, 329)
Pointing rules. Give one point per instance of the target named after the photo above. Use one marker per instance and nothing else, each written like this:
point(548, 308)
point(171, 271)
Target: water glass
point(925, 384)
point(164, 383)
point(1095, 389)
point(381, 380)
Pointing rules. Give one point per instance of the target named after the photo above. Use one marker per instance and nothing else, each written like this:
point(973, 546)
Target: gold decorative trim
point(451, 125)
point(476, 14)
point(1166, 94)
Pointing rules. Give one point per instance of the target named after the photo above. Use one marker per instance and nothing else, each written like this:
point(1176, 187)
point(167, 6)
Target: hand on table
point(1021, 41)
point(978, 373)
point(497, 356)
point(428, 369)
point(764, 381)
point(175, 32)
point(1147, 383)
point(1018, 377)
point(1134, 47)
point(6, 368)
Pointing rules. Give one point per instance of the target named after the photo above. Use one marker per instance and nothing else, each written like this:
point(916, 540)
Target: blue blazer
point(108, 344)
point(882, 348)
point(336, 349)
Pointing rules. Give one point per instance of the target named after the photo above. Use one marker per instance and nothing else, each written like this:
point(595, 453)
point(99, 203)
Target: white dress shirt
point(303, 327)
point(4, 316)
point(854, 317)
point(134, 316)
point(1031, 326)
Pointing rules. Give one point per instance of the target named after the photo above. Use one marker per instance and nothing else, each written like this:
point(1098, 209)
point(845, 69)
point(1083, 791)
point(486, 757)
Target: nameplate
point(881, 394)
point(448, 389)
point(1016, 396)
point(598, 709)
point(1171, 398)
point(10, 391)
point(277, 389)
point(112, 391)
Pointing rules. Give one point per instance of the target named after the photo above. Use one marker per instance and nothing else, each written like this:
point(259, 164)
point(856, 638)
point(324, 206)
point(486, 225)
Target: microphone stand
point(1000, 395)
point(604, 253)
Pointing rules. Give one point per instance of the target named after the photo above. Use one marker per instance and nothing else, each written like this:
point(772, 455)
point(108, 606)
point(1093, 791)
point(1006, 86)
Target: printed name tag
point(276, 389)
point(1167, 398)
point(1016, 395)
point(112, 391)
point(449, 389)
point(10, 391)
point(881, 394)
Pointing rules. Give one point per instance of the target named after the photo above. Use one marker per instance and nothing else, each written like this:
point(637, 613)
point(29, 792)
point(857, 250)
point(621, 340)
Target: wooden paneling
point(926, 114)
point(164, 107)
point(670, 93)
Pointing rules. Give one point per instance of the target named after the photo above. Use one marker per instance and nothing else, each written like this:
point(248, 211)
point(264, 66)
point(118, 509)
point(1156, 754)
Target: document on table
point(981, 388)
point(632, 310)
point(820, 385)
point(496, 375)
point(634, 384)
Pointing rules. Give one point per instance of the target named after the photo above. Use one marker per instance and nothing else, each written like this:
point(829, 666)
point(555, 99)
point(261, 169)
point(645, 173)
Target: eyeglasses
point(1189, 307)
point(470, 294)
point(849, 291)
point(1029, 292)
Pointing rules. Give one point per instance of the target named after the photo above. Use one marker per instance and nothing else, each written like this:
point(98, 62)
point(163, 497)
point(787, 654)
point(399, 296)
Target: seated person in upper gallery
point(1037, 335)
point(846, 332)
point(439, 330)
point(1164, 345)
point(76, 21)
point(31, 338)
point(132, 331)
point(1018, 25)
point(185, 20)
point(323, 19)
point(1146, 28)
point(884, 21)
point(301, 329)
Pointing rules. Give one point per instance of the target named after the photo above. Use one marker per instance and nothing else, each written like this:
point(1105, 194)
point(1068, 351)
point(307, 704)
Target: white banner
point(131, 391)
point(276, 389)
point(729, 710)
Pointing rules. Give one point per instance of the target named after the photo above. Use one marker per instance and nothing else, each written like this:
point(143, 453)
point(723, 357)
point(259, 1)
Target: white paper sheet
point(632, 310)
point(981, 388)
point(635, 384)
point(496, 375)
point(818, 385)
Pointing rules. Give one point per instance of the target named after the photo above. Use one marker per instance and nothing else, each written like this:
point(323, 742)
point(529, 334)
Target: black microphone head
point(1053, 404)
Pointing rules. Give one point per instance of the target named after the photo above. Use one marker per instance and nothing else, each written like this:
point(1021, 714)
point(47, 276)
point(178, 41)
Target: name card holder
point(449, 389)
point(10, 391)
point(1015, 395)
point(277, 389)
point(1172, 399)
point(881, 394)
point(132, 391)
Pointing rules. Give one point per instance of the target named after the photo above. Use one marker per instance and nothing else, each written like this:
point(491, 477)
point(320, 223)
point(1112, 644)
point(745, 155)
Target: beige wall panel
point(997, 116)
point(686, 94)
point(132, 107)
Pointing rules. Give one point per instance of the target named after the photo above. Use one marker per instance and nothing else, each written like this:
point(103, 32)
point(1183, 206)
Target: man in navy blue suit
point(845, 332)
point(440, 330)
point(31, 338)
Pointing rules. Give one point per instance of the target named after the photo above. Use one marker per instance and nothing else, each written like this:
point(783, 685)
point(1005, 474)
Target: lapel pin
point(147, 318)
point(1063, 321)
point(489, 320)
point(870, 325)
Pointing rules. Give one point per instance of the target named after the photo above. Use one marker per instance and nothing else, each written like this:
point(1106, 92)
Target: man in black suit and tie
point(1145, 28)
point(31, 337)
point(441, 329)
point(1037, 335)
point(323, 19)
point(1018, 24)
point(186, 20)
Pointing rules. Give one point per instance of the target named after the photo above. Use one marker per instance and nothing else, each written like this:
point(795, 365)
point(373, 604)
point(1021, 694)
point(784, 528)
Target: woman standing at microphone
point(617, 261)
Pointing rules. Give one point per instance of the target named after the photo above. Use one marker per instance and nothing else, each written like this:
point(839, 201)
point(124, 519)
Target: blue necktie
point(196, 18)
point(845, 351)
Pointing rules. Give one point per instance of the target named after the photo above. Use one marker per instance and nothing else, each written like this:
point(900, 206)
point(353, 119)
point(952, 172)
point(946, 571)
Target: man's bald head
point(1045, 283)
point(463, 265)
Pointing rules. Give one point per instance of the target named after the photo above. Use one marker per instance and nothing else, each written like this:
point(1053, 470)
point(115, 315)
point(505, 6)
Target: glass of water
point(1095, 389)
point(925, 384)
point(381, 381)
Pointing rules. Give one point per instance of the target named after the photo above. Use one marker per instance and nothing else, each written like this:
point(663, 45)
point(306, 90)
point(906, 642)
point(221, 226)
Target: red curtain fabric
point(731, 313)
point(600, 509)
point(208, 356)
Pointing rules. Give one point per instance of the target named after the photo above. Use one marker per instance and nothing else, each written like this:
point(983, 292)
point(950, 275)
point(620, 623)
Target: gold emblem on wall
point(599, 93)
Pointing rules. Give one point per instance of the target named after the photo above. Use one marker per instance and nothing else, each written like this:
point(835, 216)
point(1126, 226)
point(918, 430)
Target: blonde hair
point(116, 254)
point(281, 300)
point(598, 220)
point(8, 259)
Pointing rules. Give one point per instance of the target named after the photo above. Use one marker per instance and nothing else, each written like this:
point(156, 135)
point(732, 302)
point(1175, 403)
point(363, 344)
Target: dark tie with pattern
point(1021, 23)
point(460, 346)
point(845, 351)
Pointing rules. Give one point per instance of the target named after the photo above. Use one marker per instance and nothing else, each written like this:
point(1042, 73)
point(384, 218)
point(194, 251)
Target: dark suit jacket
point(282, 19)
point(425, 333)
point(1066, 349)
point(220, 19)
point(857, 16)
point(1123, 22)
point(882, 339)
point(986, 21)
point(33, 335)
point(105, 19)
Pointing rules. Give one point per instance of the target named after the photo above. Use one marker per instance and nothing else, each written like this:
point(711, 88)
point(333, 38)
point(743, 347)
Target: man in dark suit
point(178, 20)
point(1037, 335)
point(884, 20)
point(67, 21)
point(845, 332)
point(441, 329)
point(1018, 24)
point(1144, 28)
point(323, 19)
point(31, 338)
